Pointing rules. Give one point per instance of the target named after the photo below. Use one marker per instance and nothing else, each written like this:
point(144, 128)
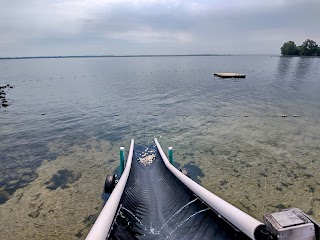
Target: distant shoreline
point(122, 56)
point(299, 56)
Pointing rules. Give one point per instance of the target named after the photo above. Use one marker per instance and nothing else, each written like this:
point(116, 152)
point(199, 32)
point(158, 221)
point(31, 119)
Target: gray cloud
point(71, 27)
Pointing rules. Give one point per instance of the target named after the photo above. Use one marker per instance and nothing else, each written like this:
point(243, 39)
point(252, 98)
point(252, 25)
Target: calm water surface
point(68, 117)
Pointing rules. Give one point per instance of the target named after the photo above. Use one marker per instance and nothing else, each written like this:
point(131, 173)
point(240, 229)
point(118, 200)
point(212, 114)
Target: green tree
point(308, 48)
point(289, 48)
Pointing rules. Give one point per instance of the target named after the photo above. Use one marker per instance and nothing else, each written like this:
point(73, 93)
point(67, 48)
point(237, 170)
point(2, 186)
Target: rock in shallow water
point(62, 179)
point(3, 198)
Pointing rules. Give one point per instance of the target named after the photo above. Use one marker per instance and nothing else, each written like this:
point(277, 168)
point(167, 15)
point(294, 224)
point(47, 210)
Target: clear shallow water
point(92, 106)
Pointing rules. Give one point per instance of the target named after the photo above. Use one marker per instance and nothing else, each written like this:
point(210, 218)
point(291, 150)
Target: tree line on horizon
point(307, 48)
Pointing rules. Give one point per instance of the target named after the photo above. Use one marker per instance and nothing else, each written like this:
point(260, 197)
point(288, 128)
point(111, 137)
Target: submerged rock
point(62, 179)
point(36, 213)
point(3, 198)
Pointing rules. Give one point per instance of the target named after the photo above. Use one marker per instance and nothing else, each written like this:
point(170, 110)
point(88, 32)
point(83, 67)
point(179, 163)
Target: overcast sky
point(120, 27)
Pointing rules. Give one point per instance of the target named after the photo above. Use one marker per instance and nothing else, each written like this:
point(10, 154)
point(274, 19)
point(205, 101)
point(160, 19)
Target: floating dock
point(229, 75)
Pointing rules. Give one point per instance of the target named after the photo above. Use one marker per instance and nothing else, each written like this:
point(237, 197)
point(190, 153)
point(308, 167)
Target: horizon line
point(130, 55)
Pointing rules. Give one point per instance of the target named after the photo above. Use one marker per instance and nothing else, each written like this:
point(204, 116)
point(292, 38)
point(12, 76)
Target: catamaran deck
point(157, 205)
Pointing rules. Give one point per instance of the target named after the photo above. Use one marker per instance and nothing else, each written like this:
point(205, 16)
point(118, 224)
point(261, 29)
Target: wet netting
point(156, 205)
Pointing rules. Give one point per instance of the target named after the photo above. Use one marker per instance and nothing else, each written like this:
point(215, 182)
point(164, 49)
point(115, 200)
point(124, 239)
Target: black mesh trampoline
point(156, 205)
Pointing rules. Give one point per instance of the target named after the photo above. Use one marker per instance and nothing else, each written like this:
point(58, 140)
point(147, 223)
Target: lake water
point(67, 118)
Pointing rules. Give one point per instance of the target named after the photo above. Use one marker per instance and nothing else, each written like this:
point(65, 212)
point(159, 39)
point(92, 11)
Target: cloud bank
point(119, 27)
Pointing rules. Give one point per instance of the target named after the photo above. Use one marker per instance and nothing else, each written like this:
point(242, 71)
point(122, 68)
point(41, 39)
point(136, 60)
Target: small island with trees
point(307, 48)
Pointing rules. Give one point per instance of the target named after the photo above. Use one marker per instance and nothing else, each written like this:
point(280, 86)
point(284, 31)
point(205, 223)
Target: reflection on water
point(230, 134)
point(284, 65)
point(303, 66)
